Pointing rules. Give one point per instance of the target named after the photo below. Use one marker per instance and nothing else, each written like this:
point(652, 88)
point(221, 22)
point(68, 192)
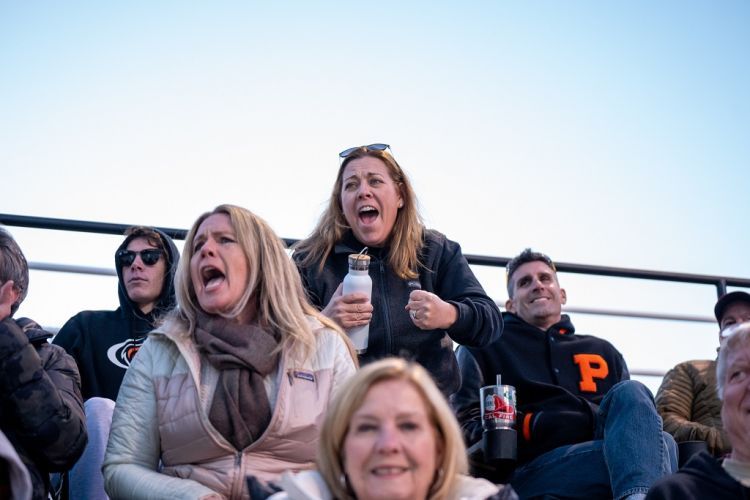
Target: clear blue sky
point(611, 133)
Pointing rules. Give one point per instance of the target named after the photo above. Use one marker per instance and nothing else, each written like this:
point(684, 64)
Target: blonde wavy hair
point(407, 235)
point(351, 396)
point(273, 282)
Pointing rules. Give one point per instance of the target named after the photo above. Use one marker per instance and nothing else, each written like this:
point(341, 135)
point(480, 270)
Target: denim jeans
point(86, 479)
point(628, 454)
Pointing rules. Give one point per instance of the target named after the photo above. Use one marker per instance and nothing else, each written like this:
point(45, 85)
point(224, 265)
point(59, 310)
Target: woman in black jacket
point(424, 295)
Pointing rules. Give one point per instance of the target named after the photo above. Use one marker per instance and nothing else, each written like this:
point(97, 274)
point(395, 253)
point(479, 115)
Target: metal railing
point(719, 282)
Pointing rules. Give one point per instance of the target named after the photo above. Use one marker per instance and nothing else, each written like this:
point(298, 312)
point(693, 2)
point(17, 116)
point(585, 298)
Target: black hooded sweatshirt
point(554, 405)
point(103, 343)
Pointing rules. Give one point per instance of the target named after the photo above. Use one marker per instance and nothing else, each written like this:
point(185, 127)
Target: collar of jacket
point(562, 327)
point(350, 244)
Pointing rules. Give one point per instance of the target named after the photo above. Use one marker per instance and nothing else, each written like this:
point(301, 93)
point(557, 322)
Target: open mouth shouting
point(212, 278)
point(368, 214)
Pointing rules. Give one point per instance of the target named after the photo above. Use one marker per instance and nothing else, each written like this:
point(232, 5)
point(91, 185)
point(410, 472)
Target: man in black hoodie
point(584, 429)
point(103, 343)
point(41, 410)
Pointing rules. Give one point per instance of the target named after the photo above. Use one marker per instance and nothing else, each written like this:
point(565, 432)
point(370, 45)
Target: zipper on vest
point(239, 480)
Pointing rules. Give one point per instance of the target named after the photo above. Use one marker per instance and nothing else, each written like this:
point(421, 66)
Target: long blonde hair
point(407, 235)
point(351, 396)
point(273, 282)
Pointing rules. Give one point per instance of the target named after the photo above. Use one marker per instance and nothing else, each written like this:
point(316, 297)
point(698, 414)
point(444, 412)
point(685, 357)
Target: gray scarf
point(240, 410)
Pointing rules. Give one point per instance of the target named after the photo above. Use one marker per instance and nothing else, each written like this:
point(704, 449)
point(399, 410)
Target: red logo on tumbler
point(499, 408)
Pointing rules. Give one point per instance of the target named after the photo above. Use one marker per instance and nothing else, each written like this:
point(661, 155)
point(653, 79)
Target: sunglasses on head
point(149, 256)
point(370, 147)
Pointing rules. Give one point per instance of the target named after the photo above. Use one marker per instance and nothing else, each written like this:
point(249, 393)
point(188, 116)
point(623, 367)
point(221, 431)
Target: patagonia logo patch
point(304, 375)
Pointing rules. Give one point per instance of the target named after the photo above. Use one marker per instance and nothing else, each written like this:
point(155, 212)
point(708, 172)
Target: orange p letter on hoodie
point(592, 366)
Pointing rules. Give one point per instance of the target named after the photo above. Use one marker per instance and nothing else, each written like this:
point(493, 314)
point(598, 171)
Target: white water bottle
point(358, 281)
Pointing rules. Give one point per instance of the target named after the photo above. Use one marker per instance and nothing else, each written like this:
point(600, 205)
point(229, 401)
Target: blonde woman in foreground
point(390, 434)
point(237, 380)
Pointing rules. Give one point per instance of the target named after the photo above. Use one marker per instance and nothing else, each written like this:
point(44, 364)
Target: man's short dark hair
point(528, 255)
point(13, 266)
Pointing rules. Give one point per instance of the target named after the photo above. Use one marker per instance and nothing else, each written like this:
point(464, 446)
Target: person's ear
point(8, 296)
point(563, 296)
point(401, 188)
point(509, 306)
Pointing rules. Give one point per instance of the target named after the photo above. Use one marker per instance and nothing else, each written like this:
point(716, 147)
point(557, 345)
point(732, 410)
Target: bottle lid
point(359, 262)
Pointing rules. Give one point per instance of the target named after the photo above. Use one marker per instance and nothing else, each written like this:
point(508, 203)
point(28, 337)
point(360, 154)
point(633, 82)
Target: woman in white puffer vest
point(237, 380)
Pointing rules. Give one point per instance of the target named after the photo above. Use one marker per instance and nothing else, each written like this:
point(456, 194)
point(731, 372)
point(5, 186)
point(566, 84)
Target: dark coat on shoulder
point(41, 408)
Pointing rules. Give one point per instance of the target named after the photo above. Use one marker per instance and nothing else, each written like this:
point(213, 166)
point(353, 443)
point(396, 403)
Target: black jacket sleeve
point(42, 406)
point(479, 321)
point(465, 401)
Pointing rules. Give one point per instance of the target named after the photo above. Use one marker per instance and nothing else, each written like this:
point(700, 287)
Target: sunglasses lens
point(378, 147)
point(150, 257)
point(126, 257)
point(347, 152)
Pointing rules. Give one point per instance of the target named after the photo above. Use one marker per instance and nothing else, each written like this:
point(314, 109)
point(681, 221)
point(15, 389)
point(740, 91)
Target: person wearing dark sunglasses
point(424, 295)
point(104, 343)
